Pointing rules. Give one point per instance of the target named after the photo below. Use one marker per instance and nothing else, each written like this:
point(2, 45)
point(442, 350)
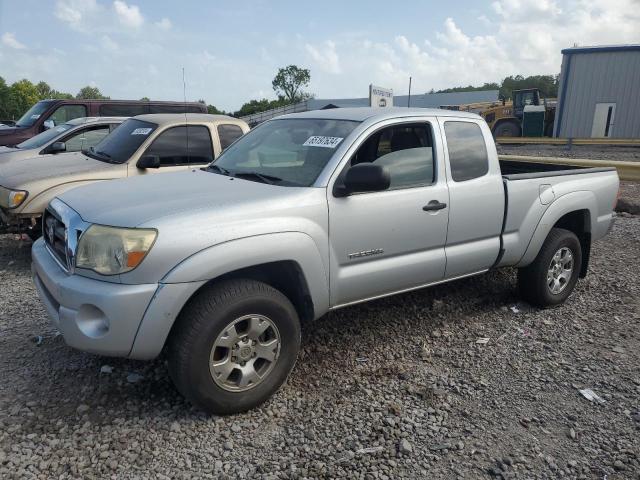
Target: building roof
point(602, 49)
point(360, 114)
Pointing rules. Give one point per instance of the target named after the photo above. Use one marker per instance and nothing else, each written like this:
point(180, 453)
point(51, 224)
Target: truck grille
point(55, 237)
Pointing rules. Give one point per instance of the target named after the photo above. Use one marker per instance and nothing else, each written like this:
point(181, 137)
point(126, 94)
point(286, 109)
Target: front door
point(180, 148)
point(603, 120)
point(389, 241)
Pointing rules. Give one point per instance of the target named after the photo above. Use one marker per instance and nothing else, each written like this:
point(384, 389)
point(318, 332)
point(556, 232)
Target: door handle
point(434, 205)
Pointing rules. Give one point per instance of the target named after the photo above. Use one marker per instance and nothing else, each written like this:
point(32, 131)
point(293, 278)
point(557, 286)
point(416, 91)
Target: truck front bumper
point(98, 317)
point(105, 318)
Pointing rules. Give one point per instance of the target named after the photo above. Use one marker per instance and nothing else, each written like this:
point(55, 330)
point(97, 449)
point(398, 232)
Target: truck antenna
point(186, 125)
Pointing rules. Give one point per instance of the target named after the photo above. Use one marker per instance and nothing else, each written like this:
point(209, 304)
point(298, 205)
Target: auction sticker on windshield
point(320, 141)
point(141, 131)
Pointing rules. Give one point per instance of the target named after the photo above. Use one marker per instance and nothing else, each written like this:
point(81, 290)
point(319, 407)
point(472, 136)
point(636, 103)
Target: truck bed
point(515, 170)
point(532, 188)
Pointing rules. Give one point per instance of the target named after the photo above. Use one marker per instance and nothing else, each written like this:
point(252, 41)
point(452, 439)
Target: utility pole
point(409, 97)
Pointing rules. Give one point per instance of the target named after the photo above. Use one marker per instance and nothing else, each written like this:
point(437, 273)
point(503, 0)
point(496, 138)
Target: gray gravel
point(628, 154)
point(398, 388)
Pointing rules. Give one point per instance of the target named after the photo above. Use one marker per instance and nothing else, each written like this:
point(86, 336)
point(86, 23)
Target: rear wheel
point(233, 346)
point(507, 129)
point(552, 276)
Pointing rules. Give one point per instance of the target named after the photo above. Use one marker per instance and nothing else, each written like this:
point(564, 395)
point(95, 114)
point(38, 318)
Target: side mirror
point(149, 161)
point(48, 124)
point(364, 177)
point(58, 147)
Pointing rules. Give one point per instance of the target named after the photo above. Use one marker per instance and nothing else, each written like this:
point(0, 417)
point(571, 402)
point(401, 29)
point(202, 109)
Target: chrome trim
point(74, 226)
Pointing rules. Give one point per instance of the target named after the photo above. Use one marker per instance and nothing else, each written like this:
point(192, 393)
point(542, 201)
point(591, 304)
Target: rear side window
point(228, 134)
point(176, 108)
point(183, 146)
point(123, 110)
point(467, 151)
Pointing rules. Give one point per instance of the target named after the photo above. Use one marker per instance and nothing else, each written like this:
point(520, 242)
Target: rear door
point(476, 196)
point(386, 242)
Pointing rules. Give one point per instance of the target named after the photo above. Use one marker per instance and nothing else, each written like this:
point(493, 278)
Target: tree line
point(288, 84)
point(547, 84)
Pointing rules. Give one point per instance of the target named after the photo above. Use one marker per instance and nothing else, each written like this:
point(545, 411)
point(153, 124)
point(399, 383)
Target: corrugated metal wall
point(599, 77)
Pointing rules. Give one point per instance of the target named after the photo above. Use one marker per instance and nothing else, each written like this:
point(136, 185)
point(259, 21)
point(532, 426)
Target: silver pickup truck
point(305, 214)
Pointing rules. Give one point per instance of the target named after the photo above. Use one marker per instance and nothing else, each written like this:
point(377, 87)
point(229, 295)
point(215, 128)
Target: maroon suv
point(48, 113)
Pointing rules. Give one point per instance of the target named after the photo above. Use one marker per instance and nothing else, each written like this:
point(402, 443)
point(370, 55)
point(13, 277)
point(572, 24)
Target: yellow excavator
point(506, 118)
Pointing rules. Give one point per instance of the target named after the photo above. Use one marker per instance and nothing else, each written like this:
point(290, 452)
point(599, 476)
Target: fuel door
point(546, 194)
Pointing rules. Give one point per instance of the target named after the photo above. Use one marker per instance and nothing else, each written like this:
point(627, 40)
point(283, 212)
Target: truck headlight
point(12, 198)
point(111, 250)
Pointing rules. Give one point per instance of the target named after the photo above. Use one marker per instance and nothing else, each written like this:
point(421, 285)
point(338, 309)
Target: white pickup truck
point(305, 214)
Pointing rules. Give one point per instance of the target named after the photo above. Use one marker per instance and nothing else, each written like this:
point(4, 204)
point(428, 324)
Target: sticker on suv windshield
point(35, 116)
point(320, 141)
point(141, 131)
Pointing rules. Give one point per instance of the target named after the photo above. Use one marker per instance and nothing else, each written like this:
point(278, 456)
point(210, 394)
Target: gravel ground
point(629, 154)
point(398, 388)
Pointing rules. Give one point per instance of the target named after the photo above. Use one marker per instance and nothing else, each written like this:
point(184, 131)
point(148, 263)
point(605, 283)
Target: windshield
point(45, 137)
point(285, 152)
point(33, 114)
point(119, 145)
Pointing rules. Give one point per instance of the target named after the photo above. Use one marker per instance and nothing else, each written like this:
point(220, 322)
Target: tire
point(537, 281)
point(205, 322)
point(507, 129)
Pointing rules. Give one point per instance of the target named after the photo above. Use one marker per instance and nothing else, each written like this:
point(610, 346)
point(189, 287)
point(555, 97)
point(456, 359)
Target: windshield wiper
point(220, 170)
point(270, 179)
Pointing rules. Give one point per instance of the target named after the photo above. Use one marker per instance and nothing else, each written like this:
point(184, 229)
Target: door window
point(228, 134)
point(65, 113)
point(467, 151)
point(405, 150)
point(123, 109)
point(86, 138)
point(183, 145)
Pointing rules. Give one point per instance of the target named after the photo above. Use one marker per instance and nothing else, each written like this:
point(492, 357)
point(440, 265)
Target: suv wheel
point(551, 277)
point(233, 346)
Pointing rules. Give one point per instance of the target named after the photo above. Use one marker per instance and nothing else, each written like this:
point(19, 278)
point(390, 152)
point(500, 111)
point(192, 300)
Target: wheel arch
point(502, 120)
point(574, 212)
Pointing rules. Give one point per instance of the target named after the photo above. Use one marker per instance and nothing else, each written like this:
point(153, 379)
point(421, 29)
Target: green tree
point(44, 90)
point(289, 81)
point(547, 84)
point(88, 93)
point(145, 99)
point(257, 106)
point(22, 95)
point(470, 88)
point(5, 113)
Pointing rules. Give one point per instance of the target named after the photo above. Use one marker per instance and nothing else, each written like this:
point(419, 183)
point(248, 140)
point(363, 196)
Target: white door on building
point(603, 120)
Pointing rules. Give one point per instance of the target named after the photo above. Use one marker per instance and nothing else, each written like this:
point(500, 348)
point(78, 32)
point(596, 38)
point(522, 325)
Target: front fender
point(37, 203)
point(571, 202)
point(246, 252)
point(184, 280)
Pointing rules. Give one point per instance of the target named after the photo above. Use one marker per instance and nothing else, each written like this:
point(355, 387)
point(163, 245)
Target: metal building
point(599, 92)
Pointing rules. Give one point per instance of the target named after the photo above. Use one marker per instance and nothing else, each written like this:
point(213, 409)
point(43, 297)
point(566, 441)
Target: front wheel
point(552, 276)
point(233, 346)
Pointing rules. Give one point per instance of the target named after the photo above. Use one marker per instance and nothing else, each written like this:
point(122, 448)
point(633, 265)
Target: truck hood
point(51, 170)
point(162, 199)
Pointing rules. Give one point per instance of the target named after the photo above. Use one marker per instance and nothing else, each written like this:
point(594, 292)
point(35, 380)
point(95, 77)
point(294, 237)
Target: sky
point(231, 50)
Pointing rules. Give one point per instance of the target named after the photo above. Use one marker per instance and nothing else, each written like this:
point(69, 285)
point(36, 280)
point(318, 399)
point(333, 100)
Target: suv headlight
point(12, 198)
point(111, 250)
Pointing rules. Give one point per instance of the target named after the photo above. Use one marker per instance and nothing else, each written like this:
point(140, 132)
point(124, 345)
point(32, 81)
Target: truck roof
point(360, 114)
point(165, 118)
point(84, 120)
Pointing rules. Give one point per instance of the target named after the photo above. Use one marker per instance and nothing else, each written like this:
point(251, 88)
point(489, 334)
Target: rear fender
point(571, 202)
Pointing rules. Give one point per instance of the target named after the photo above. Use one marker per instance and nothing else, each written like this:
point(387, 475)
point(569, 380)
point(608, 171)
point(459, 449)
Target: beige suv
point(142, 145)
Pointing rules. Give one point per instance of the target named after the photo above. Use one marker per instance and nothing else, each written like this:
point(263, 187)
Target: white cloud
point(76, 12)
point(128, 15)
point(9, 39)
point(164, 24)
point(325, 57)
point(109, 44)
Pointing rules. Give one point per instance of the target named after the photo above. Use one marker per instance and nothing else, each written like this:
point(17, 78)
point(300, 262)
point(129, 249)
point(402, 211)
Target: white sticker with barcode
point(325, 142)
point(35, 116)
point(141, 131)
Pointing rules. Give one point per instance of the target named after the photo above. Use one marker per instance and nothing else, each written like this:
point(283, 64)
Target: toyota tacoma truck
point(305, 214)
point(142, 145)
